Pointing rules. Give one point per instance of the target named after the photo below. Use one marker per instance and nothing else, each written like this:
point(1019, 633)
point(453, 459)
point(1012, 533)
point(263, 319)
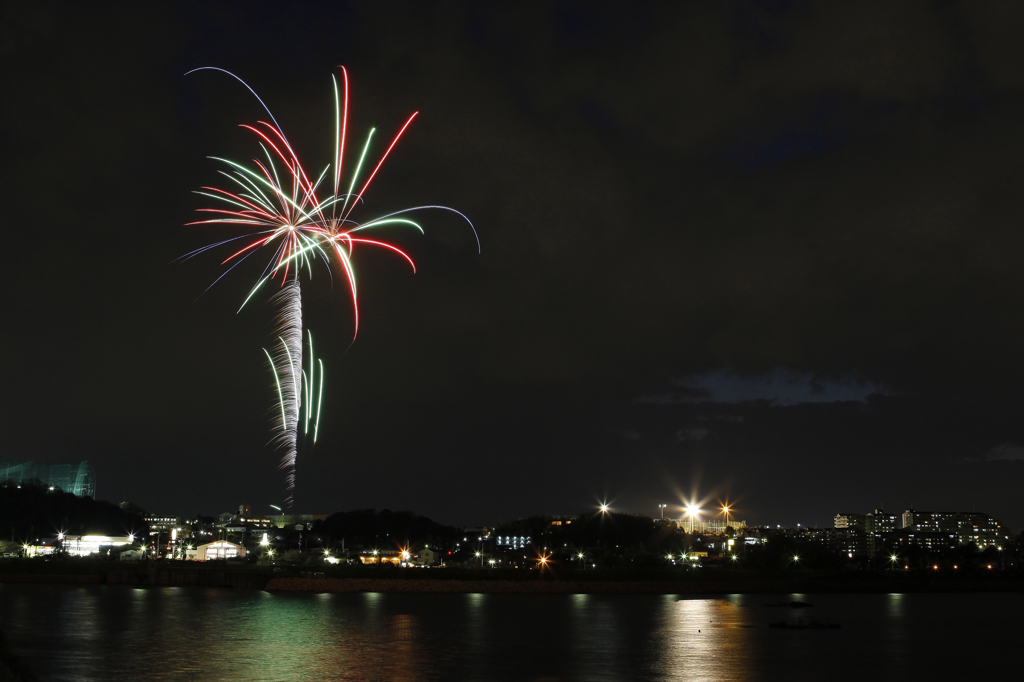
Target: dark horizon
point(766, 253)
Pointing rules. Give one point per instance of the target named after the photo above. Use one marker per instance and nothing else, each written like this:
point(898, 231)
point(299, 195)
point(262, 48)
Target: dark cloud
point(781, 387)
point(1005, 451)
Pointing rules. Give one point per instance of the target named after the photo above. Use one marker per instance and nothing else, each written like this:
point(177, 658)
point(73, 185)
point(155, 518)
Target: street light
point(693, 511)
point(604, 508)
point(662, 508)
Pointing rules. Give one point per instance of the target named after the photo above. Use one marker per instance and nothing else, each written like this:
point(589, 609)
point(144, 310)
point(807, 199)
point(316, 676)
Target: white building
point(221, 549)
point(80, 545)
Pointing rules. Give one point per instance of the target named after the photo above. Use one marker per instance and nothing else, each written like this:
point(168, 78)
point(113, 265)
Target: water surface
point(85, 633)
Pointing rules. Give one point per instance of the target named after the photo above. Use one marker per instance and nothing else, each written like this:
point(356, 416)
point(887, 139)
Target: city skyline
point(763, 254)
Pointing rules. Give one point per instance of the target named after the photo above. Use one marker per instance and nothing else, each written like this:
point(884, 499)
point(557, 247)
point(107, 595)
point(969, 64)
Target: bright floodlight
point(692, 509)
point(604, 507)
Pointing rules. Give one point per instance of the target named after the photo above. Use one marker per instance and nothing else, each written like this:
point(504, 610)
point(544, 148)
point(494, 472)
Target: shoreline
point(349, 585)
point(474, 582)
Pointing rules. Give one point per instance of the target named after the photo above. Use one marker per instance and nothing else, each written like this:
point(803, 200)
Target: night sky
point(767, 252)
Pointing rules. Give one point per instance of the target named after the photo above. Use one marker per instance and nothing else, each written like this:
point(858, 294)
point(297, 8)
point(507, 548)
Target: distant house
point(221, 549)
point(428, 557)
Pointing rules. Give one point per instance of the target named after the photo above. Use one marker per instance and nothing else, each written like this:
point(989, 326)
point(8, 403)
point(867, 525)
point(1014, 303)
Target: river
point(106, 633)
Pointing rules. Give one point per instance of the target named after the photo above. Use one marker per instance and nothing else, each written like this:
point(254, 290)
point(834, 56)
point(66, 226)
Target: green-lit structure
point(78, 479)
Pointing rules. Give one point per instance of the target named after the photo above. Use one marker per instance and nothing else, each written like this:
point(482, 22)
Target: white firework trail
point(286, 363)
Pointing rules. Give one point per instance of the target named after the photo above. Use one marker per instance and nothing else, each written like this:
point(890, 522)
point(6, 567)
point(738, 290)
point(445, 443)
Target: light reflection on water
point(705, 639)
point(123, 633)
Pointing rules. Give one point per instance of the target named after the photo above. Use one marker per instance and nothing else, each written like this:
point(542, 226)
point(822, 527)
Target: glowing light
point(604, 508)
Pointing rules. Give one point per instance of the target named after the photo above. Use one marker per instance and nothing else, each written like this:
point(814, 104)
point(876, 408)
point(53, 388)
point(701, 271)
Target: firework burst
point(300, 220)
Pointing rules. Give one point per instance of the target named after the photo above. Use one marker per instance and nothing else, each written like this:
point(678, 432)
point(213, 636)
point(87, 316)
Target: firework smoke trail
point(286, 361)
point(282, 211)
